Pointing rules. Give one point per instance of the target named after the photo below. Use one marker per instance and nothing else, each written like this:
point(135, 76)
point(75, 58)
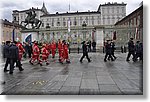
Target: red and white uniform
point(45, 54)
point(36, 53)
point(65, 54)
point(21, 50)
point(60, 49)
point(53, 49)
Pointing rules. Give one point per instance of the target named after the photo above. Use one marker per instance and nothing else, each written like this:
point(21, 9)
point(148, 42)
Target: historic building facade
point(133, 23)
point(8, 29)
point(76, 26)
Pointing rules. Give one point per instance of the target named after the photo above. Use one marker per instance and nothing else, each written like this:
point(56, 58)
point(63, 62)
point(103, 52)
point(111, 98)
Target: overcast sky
point(53, 6)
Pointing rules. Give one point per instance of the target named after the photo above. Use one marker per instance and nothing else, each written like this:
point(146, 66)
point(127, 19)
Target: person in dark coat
point(89, 46)
point(131, 49)
point(138, 50)
point(85, 52)
point(108, 51)
point(14, 57)
point(94, 46)
point(6, 55)
point(113, 49)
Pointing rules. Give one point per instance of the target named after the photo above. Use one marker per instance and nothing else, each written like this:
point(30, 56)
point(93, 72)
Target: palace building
point(76, 26)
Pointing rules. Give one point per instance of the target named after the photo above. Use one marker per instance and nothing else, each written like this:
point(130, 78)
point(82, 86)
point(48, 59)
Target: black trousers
point(12, 62)
point(85, 54)
point(129, 54)
point(109, 56)
point(6, 63)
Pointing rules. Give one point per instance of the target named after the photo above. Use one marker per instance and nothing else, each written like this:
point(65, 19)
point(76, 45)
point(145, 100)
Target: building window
point(81, 20)
point(98, 19)
point(15, 18)
point(122, 9)
point(92, 20)
point(64, 22)
point(42, 24)
point(52, 22)
point(117, 9)
point(86, 20)
point(75, 21)
point(108, 10)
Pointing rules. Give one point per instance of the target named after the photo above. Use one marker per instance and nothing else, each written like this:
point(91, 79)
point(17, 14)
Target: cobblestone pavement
point(96, 78)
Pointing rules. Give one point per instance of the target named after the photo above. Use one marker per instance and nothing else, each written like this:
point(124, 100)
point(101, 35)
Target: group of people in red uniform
point(42, 55)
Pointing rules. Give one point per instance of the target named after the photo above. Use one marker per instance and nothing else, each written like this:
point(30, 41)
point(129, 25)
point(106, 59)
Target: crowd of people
point(40, 52)
point(14, 51)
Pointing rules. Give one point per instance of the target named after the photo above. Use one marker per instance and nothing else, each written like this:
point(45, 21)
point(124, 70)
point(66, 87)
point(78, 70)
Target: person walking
point(14, 57)
point(108, 51)
point(131, 49)
point(35, 53)
point(60, 48)
point(65, 54)
point(53, 48)
point(6, 55)
point(45, 54)
point(85, 52)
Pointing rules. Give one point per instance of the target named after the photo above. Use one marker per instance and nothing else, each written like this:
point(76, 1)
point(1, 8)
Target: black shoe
point(89, 61)
point(6, 70)
point(47, 63)
point(41, 64)
point(67, 61)
point(127, 60)
point(10, 72)
point(105, 60)
point(81, 62)
point(21, 69)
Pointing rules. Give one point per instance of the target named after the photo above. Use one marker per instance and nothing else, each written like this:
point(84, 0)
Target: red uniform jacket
point(36, 50)
point(53, 46)
point(44, 52)
point(65, 51)
point(21, 50)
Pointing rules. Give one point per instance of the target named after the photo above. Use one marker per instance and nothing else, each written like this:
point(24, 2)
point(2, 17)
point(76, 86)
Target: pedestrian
point(85, 52)
point(29, 47)
point(112, 49)
point(121, 49)
point(65, 54)
point(45, 54)
point(35, 53)
point(60, 49)
point(89, 46)
point(138, 50)
point(14, 57)
point(94, 46)
point(6, 55)
point(141, 51)
point(108, 51)
point(131, 49)
point(53, 48)
point(21, 51)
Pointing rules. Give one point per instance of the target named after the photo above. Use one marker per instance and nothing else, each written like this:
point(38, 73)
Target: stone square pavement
point(95, 78)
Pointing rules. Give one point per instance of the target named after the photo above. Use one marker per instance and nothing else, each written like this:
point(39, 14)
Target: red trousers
point(35, 57)
point(53, 52)
point(45, 59)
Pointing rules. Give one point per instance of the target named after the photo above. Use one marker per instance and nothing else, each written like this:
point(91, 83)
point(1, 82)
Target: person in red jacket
point(21, 51)
point(60, 49)
point(53, 48)
point(65, 54)
point(45, 54)
point(35, 53)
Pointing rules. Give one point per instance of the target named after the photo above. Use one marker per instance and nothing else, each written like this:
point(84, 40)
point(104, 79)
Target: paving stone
point(89, 92)
point(69, 90)
point(72, 82)
point(89, 84)
point(109, 89)
point(105, 80)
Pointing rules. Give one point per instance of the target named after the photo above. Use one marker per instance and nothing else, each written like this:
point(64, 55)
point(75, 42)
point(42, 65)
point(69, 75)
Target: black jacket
point(13, 52)
point(131, 46)
point(6, 51)
point(84, 47)
point(108, 48)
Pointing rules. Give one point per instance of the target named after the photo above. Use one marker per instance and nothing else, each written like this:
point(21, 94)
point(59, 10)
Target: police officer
point(112, 49)
point(85, 52)
point(6, 55)
point(108, 51)
point(14, 57)
point(131, 49)
point(138, 50)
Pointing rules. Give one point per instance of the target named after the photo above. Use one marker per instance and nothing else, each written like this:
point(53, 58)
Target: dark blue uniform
point(108, 51)
point(131, 49)
point(14, 56)
point(85, 53)
point(6, 55)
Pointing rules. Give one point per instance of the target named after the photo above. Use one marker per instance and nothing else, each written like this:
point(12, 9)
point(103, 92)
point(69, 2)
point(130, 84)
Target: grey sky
point(54, 6)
